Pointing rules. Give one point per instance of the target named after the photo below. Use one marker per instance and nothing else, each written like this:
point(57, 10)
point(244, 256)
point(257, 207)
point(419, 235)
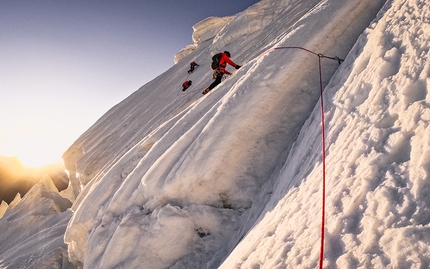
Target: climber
point(219, 63)
point(186, 84)
point(193, 65)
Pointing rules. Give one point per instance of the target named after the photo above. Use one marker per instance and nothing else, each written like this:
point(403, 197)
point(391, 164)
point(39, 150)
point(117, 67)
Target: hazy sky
point(64, 63)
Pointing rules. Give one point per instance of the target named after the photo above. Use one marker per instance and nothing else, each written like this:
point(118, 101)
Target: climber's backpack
point(215, 61)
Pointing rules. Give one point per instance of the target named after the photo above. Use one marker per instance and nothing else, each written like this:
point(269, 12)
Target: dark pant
point(217, 81)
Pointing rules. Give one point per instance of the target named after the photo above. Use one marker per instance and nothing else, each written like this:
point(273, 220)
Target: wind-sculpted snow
point(208, 28)
point(203, 31)
point(262, 15)
point(33, 228)
point(170, 174)
point(232, 179)
point(378, 157)
point(184, 52)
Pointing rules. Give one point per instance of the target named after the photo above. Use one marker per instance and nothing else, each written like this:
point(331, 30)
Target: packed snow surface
point(233, 179)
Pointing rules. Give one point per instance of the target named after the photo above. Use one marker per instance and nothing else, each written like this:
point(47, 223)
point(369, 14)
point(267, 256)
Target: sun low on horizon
point(40, 129)
point(33, 151)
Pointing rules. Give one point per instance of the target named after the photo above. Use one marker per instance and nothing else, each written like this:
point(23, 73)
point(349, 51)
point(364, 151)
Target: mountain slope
point(378, 158)
point(233, 179)
point(172, 173)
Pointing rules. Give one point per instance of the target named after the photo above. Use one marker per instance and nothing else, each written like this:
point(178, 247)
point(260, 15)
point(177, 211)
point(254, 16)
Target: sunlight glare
point(33, 151)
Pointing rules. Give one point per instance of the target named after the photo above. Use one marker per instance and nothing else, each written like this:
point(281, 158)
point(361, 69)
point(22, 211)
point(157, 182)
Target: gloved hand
point(238, 66)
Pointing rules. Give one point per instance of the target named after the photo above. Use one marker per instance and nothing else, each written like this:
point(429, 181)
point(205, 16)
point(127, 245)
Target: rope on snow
point(320, 56)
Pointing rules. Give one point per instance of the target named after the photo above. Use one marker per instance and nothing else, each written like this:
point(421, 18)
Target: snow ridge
point(210, 155)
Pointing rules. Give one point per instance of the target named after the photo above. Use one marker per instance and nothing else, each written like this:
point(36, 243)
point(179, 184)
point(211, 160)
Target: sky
point(65, 63)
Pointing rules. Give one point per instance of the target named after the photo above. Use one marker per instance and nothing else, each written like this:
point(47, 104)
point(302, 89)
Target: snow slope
point(177, 157)
point(33, 228)
point(232, 179)
point(378, 156)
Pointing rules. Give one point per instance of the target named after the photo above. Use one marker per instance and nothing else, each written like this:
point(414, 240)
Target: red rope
point(321, 258)
point(297, 48)
point(323, 163)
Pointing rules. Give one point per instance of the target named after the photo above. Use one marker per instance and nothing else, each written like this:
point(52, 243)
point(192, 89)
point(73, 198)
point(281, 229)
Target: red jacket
point(223, 63)
point(186, 84)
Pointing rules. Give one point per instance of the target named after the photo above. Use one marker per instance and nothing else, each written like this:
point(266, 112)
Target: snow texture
point(33, 229)
point(208, 28)
point(233, 179)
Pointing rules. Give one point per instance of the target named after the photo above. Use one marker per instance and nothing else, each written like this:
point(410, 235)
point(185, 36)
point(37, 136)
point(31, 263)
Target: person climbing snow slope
point(193, 65)
point(219, 63)
point(186, 84)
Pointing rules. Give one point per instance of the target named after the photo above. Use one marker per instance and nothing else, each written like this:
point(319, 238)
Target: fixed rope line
point(317, 54)
point(320, 56)
point(323, 163)
point(323, 152)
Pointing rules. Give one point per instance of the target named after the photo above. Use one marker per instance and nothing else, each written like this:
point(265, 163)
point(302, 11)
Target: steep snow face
point(378, 159)
point(176, 180)
point(170, 174)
